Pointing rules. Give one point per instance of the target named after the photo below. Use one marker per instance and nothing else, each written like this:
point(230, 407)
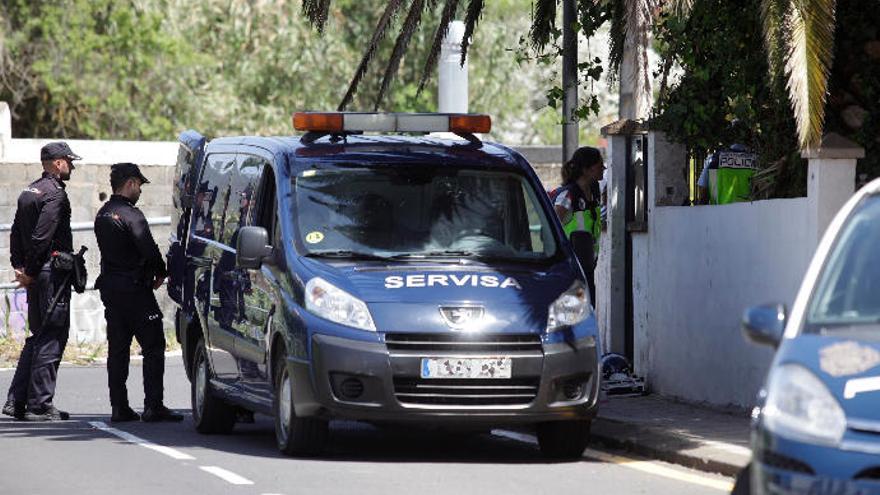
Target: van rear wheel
point(294, 435)
point(563, 439)
point(210, 413)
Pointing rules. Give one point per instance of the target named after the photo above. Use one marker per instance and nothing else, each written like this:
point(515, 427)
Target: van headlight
point(571, 308)
point(332, 303)
point(800, 407)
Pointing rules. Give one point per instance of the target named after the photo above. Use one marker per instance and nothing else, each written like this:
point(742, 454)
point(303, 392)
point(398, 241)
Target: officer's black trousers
point(37, 370)
point(134, 314)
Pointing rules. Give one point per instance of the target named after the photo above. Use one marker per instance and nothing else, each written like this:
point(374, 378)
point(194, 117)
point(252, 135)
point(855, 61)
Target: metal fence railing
point(80, 227)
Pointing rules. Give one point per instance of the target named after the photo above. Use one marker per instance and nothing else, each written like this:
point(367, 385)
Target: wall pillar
point(667, 172)
point(831, 180)
point(611, 289)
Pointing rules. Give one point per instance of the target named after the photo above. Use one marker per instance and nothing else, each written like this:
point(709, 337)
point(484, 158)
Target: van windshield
point(420, 211)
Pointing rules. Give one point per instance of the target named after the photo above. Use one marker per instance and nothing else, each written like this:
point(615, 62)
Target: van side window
point(182, 171)
point(265, 216)
point(208, 206)
point(242, 191)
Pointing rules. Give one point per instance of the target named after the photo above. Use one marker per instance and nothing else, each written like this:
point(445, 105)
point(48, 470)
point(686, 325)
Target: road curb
point(650, 443)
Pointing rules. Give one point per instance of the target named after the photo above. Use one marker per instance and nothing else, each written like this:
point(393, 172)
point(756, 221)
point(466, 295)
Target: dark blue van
point(816, 429)
point(378, 278)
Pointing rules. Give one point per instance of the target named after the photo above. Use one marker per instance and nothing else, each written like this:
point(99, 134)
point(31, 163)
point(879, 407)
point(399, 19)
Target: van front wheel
point(294, 435)
point(563, 439)
point(210, 413)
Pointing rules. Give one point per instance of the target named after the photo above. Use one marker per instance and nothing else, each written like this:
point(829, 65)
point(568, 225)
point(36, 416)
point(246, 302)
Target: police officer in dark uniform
point(41, 228)
point(131, 269)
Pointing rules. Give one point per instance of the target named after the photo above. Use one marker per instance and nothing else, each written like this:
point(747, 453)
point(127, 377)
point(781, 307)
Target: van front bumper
point(353, 379)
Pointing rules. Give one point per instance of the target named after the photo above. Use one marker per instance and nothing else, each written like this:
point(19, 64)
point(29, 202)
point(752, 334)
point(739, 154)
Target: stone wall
point(88, 188)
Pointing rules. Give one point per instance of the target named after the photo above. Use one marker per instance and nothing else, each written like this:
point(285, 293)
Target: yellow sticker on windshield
point(314, 237)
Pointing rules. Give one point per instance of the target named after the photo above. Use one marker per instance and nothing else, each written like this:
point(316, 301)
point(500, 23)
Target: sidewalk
point(684, 434)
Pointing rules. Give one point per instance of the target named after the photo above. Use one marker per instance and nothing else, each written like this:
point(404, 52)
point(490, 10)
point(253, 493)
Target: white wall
point(696, 270)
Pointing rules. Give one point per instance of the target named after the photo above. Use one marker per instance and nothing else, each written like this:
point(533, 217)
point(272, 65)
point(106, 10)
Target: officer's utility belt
point(72, 266)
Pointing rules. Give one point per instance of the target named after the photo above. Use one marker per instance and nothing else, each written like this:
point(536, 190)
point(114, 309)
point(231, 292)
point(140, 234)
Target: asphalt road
point(88, 455)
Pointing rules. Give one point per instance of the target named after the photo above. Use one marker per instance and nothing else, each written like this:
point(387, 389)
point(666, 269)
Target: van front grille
point(466, 392)
point(461, 342)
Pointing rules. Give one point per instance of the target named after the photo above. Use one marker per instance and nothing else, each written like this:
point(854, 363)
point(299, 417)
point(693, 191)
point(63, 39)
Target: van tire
point(295, 436)
point(563, 439)
point(210, 413)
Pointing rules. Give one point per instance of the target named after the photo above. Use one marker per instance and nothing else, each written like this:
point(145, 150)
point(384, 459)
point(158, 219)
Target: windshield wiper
point(347, 253)
point(447, 253)
point(461, 253)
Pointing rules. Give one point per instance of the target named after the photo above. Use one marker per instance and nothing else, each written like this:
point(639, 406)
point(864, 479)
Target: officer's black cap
point(57, 149)
point(119, 172)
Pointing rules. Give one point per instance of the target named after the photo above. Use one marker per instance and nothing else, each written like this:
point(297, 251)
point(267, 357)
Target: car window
point(420, 211)
point(848, 292)
point(208, 214)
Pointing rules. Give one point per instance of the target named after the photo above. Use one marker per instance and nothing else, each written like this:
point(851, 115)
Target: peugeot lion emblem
point(460, 317)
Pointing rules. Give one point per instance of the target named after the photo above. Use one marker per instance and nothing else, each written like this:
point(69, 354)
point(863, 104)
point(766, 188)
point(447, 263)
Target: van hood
point(424, 297)
point(849, 367)
point(383, 282)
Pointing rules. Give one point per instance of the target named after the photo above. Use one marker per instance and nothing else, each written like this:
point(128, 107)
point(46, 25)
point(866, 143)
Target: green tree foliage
point(725, 78)
point(721, 49)
point(854, 87)
point(89, 68)
point(147, 69)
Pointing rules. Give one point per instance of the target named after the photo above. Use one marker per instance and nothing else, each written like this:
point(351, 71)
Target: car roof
point(392, 149)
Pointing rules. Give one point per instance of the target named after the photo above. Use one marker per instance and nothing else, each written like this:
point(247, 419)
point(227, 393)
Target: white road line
point(173, 453)
point(728, 447)
point(227, 476)
point(652, 467)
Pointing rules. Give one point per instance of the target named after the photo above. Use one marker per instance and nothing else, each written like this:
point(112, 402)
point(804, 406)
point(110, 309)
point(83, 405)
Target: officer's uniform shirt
point(711, 163)
point(130, 258)
point(572, 200)
point(41, 225)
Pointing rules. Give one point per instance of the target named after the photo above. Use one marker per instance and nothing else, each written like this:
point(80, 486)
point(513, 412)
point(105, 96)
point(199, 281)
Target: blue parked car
point(816, 429)
point(378, 278)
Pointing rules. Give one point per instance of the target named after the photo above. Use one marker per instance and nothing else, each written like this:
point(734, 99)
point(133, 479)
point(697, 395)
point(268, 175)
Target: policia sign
point(730, 176)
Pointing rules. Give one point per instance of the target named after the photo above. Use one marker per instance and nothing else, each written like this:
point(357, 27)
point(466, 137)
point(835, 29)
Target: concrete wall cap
point(625, 126)
point(97, 152)
point(835, 146)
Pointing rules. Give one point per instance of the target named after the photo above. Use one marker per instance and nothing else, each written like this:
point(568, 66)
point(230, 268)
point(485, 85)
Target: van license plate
point(495, 367)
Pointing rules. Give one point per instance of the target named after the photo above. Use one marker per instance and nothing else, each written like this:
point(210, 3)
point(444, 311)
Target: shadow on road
point(348, 442)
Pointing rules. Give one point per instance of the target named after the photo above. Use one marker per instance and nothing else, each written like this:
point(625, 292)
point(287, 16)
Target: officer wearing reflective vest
point(727, 175)
point(578, 201)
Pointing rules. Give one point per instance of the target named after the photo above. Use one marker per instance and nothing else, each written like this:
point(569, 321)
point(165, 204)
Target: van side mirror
point(252, 247)
point(765, 324)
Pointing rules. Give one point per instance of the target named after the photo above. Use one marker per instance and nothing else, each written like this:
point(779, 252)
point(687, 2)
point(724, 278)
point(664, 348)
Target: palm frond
point(316, 12)
point(449, 10)
point(774, 14)
point(680, 8)
point(474, 12)
point(381, 27)
point(543, 23)
point(413, 18)
point(808, 66)
point(616, 38)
